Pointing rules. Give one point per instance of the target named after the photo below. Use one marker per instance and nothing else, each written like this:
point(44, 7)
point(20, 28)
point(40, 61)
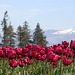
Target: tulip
point(50, 56)
point(38, 57)
point(61, 45)
point(19, 51)
point(29, 46)
point(11, 54)
point(13, 63)
point(48, 49)
point(25, 50)
point(42, 52)
point(30, 62)
point(57, 57)
point(21, 63)
point(43, 57)
point(1, 53)
point(26, 60)
point(65, 43)
point(66, 61)
point(54, 64)
point(35, 54)
point(58, 50)
point(37, 48)
point(30, 54)
point(72, 44)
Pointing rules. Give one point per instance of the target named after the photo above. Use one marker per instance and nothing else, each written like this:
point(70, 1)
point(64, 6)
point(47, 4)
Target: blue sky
point(51, 14)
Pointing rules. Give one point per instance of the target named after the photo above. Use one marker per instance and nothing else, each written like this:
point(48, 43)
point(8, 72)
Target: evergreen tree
point(5, 29)
point(38, 36)
point(26, 34)
point(20, 36)
point(11, 36)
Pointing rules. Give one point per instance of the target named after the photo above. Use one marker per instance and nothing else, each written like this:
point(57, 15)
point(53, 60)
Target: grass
point(37, 68)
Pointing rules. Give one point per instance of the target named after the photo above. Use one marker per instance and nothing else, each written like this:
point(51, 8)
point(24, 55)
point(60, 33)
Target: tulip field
point(58, 59)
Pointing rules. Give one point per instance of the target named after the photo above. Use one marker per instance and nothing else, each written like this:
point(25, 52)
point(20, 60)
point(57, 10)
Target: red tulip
point(42, 52)
point(64, 51)
point(66, 61)
point(55, 46)
point(13, 63)
point(43, 57)
point(48, 49)
point(29, 46)
point(25, 50)
point(19, 51)
point(54, 64)
point(24, 54)
point(35, 54)
point(73, 55)
point(11, 54)
point(19, 56)
point(65, 43)
point(21, 63)
point(50, 56)
point(11, 48)
point(72, 44)
point(1, 53)
point(61, 45)
point(37, 48)
point(58, 50)
point(38, 57)
point(57, 57)
point(30, 54)
point(30, 62)
point(26, 60)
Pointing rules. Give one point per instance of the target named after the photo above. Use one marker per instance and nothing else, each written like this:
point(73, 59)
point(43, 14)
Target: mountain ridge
point(65, 31)
point(56, 36)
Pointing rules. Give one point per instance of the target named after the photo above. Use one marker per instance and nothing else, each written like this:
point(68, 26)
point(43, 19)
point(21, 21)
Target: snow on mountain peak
point(66, 31)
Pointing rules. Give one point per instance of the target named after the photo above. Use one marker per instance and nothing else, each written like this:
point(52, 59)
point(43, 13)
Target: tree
point(5, 29)
point(26, 34)
point(20, 36)
point(38, 36)
point(23, 35)
point(11, 36)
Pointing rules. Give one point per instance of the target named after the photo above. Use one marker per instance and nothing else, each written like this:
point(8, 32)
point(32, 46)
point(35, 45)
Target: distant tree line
point(22, 35)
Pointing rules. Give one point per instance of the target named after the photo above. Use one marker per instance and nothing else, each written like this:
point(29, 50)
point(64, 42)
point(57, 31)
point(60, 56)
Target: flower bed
point(58, 59)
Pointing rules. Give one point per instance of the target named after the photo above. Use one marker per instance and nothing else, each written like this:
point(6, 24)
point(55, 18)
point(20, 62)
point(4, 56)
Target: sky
point(50, 14)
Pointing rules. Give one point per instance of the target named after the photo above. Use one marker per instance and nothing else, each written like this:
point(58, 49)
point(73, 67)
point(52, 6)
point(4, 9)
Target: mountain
point(61, 35)
point(56, 36)
point(66, 31)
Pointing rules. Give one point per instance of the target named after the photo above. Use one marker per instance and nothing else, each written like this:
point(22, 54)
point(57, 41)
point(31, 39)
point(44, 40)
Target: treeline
point(22, 35)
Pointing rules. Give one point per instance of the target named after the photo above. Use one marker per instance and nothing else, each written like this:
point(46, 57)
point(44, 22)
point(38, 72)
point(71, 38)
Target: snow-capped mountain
point(56, 36)
point(66, 31)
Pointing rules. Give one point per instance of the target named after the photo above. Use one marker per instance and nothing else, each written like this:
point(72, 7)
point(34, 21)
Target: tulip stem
point(49, 69)
point(23, 70)
point(12, 71)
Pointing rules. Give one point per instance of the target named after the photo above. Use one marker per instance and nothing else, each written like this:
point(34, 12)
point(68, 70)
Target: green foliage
point(23, 35)
point(20, 36)
point(11, 36)
point(38, 36)
point(8, 34)
point(26, 34)
point(5, 29)
point(37, 68)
